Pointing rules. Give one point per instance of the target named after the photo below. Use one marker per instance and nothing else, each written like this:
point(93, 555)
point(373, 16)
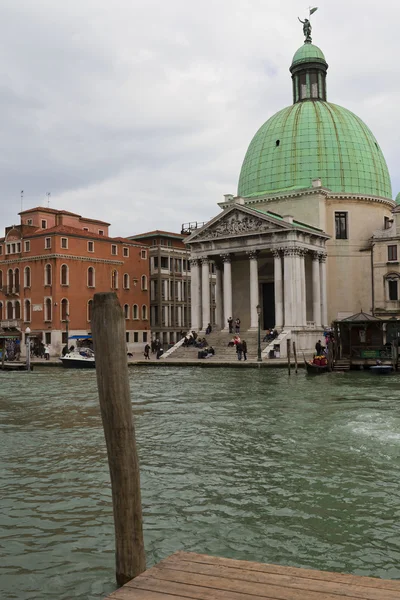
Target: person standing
point(47, 352)
point(244, 348)
point(230, 324)
point(239, 350)
point(146, 352)
point(318, 348)
point(237, 325)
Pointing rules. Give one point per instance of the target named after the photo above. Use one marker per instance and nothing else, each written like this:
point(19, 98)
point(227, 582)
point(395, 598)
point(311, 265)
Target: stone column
point(324, 298)
point(195, 294)
point(303, 286)
point(316, 290)
point(297, 299)
point(218, 298)
point(227, 289)
point(205, 292)
point(288, 286)
point(278, 281)
point(253, 289)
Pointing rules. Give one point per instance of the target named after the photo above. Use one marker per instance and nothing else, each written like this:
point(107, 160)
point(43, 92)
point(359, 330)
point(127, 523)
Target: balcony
point(11, 324)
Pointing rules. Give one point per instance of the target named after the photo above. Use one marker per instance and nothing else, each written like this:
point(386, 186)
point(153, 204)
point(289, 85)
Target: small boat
point(381, 369)
point(314, 369)
point(78, 360)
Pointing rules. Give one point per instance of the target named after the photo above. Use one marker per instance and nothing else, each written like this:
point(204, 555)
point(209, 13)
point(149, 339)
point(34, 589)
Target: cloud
point(140, 112)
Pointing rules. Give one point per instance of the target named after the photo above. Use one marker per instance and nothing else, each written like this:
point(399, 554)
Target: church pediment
point(235, 223)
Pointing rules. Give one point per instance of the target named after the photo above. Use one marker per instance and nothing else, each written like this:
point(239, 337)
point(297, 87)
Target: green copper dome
point(398, 199)
point(313, 139)
point(308, 53)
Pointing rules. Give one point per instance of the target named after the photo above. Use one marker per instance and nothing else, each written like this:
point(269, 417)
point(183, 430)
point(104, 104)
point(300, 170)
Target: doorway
point(268, 297)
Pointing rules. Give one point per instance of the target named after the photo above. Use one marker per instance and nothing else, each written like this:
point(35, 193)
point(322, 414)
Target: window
point(155, 262)
point(10, 280)
point(47, 309)
point(1, 280)
point(90, 277)
point(101, 231)
point(1, 311)
point(29, 221)
point(144, 312)
point(164, 262)
point(27, 277)
point(47, 275)
point(8, 249)
point(144, 336)
point(393, 289)
point(64, 309)
point(1, 250)
point(392, 253)
point(10, 310)
point(114, 250)
point(18, 247)
point(144, 254)
point(47, 243)
point(127, 337)
point(17, 310)
point(386, 223)
point(126, 252)
point(144, 282)
point(126, 281)
point(135, 311)
point(64, 275)
point(47, 337)
point(27, 311)
point(341, 225)
point(16, 281)
point(136, 336)
point(89, 310)
point(44, 224)
point(27, 246)
point(126, 311)
point(114, 280)
point(64, 337)
point(64, 243)
point(90, 246)
point(86, 229)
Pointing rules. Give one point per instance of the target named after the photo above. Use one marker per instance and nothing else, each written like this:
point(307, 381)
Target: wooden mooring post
point(295, 357)
point(108, 330)
point(288, 355)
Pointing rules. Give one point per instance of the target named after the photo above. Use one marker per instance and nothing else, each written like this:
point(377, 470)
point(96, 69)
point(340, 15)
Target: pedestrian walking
point(244, 348)
point(230, 324)
point(237, 325)
point(47, 352)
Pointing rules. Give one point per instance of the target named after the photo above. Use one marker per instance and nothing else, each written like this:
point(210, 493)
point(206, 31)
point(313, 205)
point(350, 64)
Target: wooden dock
point(188, 576)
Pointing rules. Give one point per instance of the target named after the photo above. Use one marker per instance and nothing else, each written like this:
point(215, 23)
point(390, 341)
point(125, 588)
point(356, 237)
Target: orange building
point(52, 264)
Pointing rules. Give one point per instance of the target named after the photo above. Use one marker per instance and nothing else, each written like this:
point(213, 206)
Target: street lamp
point(259, 359)
point(28, 349)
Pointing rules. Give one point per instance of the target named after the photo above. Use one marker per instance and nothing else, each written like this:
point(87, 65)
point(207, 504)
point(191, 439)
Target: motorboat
point(381, 369)
point(83, 359)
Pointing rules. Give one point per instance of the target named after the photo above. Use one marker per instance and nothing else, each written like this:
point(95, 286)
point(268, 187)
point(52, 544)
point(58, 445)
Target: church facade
point(294, 244)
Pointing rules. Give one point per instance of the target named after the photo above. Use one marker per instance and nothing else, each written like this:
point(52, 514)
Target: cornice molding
point(47, 257)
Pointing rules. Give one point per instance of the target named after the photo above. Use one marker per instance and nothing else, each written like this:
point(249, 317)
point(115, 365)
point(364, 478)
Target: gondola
point(313, 369)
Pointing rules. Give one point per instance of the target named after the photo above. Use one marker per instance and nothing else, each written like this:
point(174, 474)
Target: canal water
point(240, 463)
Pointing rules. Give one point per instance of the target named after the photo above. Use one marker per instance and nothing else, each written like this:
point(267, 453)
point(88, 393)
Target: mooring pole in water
point(288, 355)
point(295, 357)
point(108, 330)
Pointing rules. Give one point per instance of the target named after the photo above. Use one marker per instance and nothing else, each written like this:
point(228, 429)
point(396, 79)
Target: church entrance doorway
point(268, 297)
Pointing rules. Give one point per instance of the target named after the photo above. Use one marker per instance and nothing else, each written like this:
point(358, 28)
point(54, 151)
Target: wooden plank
point(281, 580)
point(125, 593)
point(201, 584)
point(193, 557)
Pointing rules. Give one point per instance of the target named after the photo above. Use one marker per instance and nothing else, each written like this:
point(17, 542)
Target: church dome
point(398, 199)
point(314, 139)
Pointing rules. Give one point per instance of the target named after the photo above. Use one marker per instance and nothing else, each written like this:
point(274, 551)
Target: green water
point(239, 463)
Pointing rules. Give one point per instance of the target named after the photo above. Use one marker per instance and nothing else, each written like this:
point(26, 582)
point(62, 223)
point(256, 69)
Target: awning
point(80, 337)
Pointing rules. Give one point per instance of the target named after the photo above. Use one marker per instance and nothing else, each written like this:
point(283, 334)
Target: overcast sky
point(140, 112)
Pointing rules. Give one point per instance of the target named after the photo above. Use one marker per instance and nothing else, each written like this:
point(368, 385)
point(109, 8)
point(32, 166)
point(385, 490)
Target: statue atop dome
point(307, 29)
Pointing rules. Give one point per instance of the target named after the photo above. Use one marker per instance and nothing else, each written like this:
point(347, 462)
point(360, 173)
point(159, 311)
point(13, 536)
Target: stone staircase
point(219, 341)
point(343, 364)
point(281, 341)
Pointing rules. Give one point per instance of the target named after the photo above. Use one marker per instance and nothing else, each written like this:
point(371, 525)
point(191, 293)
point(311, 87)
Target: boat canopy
point(80, 337)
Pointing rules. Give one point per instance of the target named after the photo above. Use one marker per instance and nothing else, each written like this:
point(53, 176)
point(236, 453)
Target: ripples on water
point(239, 463)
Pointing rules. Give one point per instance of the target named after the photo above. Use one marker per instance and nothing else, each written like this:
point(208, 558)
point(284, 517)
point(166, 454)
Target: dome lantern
point(308, 70)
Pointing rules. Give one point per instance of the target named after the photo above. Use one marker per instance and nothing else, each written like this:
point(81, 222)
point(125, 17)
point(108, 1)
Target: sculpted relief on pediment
point(234, 224)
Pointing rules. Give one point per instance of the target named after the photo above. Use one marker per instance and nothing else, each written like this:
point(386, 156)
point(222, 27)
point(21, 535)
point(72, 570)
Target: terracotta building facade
point(53, 263)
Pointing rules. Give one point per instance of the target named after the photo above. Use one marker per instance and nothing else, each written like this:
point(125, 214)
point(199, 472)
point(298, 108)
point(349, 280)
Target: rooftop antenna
point(22, 199)
point(48, 194)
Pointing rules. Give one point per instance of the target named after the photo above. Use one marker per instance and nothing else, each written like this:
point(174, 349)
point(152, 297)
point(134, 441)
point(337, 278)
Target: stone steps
point(219, 341)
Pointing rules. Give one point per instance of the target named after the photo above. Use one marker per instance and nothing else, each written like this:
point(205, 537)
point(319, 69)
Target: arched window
point(144, 312)
point(17, 310)
point(392, 286)
point(47, 275)
point(27, 311)
point(89, 310)
point(64, 275)
point(10, 282)
point(114, 280)
point(64, 309)
point(10, 312)
point(1, 279)
point(27, 277)
point(126, 311)
point(1, 311)
point(90, 277)
point(144, 282)
point(135, 311)
point(16, 281)
point(47, 309)
point(126, 281)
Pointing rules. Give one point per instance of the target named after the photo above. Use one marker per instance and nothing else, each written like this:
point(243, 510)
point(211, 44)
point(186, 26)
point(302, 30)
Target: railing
point(190, 227)
point(11, 323)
